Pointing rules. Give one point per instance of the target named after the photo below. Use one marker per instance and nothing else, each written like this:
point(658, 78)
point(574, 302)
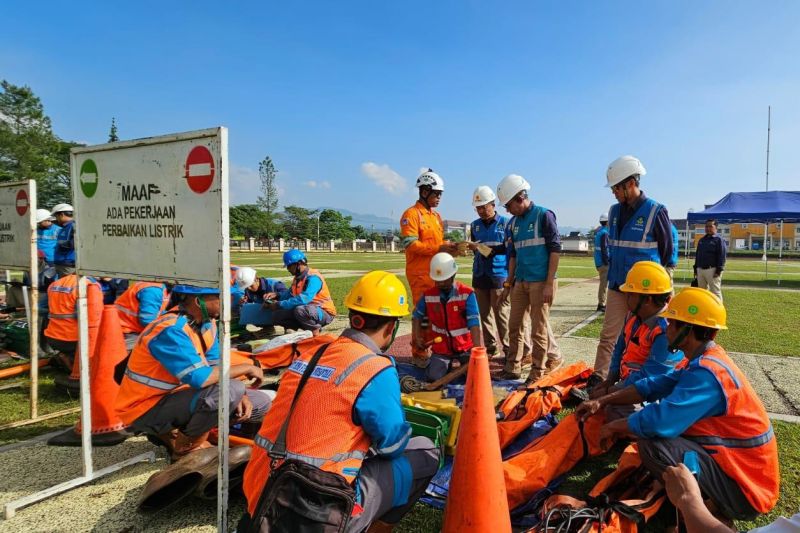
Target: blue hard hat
point(191, 289)
point(293, 256)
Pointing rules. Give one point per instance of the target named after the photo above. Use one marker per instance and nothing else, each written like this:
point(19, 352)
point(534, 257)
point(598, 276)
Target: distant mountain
point(368, 221)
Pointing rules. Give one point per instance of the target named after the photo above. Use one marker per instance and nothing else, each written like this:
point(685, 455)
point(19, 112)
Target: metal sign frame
point(222, 280)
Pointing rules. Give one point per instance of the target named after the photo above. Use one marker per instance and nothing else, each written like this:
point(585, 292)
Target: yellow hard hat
point(694, 305)
point(647, 277)
point(378, 293)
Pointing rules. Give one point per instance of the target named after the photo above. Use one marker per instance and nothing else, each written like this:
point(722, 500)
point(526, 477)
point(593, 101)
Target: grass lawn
point(759, 321)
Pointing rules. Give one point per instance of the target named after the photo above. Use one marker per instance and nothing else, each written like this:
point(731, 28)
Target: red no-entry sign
point(22, 202)
point(200, 169)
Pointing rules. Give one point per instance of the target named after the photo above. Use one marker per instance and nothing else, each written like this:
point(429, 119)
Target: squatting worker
point(639, 229)
point(534, 247)
point(422, 237)
point(138, 306)
point(490, 272)
point(170, 390)
point(707, 408)
point(709, 260)
point(64, 254)
point(601, 261)
point(350, 421)
point(307, 304)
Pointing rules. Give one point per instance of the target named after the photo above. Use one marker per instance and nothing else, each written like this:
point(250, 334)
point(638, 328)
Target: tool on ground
point(410, 384)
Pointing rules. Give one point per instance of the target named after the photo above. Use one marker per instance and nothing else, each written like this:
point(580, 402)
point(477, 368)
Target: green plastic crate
point(15, 336)
point(425, 423)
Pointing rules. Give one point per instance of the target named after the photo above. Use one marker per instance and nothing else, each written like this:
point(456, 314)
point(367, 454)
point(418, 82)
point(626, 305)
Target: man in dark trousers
point(709, 260)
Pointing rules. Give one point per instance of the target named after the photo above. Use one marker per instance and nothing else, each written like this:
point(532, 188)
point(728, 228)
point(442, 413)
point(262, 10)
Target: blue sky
point(351, 99)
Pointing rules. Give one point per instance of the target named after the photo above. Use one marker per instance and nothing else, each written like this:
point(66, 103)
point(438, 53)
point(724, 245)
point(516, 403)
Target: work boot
point(184, 444)
point(535, 375)
point(491, 351)
point(553, 364)
point(507, 375)
point(527, 359)
point(601, 308)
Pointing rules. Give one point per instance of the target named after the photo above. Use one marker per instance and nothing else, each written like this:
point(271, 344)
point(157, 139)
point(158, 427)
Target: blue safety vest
point(65, 247)
point(676, 245)
point(492, 235)
point(533, 258)
point(46, 241)
point(598, 251)
point(632, 243)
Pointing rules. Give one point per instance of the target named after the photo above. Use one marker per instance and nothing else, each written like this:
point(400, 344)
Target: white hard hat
point(42, 215)
point(431, 179)
point(61, 208)
point(623, 168)
point(482, 196)
point(510, 186)
point(603, 217)
point(443, 267)
point(245, 277)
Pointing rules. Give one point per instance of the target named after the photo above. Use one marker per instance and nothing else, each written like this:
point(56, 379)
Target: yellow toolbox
point(444, 407)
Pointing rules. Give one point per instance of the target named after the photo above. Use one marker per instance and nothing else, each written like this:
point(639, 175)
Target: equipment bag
point(299, 497)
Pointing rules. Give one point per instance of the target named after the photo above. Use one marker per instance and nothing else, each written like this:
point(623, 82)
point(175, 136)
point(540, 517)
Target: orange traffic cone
point(477, 499)
point(109, 350)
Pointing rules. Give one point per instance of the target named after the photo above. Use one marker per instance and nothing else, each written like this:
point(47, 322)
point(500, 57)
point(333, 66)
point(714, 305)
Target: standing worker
point(534, 250)
point(347, 423)
point(709, 260)
point(46, 234)
point(307, 304)
point(638, 230)
point(422, 237)
point(64, 255)
point(676, 251)
point(138, 306)
point(601, 261)
point(490, 272)
point(170, 390)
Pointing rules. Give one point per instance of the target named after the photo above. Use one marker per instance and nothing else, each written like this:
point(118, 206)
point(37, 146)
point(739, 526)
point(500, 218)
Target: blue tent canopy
point(770, 206)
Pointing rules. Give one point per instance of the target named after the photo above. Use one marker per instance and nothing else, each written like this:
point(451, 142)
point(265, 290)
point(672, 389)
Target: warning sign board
point(154, 208)
point(17, 224)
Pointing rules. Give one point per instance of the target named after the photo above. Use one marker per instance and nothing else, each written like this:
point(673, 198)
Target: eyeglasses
point(437, 193)
point(517, 198)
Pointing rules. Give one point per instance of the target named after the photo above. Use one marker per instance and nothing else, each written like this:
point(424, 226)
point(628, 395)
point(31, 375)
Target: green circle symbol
point(693, 309)
point(89, 178)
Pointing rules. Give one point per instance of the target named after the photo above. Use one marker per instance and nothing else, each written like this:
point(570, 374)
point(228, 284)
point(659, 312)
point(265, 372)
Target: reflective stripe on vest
point(322, 298)
point(125, 310)
point(532, 255)
point(752, 442)
point(449, 320)
point(267, 445)
point(63, 315)
point(626, 244)
point(150, 382)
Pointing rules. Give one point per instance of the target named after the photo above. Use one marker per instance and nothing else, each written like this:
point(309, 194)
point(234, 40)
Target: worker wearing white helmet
point(490, 271)
point(64, 255)
point(422, 236)
point(639, 229)
point(46, 234)
point(601, 260)
point(534, 247)
point(452, 312)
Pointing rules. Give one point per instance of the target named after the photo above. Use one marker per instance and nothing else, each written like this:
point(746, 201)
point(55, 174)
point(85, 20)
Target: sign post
point(153, 209)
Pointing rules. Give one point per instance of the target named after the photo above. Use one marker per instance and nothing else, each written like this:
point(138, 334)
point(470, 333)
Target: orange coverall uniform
point(421, 233)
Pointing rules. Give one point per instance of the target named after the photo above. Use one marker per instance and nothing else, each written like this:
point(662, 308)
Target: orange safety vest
point(321, 431)
point(62, 298)
point(322, 299)
point(637, 351)
point(128, 305)
point(146, 380)
point(741, 440)
point(449, 320)
point(421, 233)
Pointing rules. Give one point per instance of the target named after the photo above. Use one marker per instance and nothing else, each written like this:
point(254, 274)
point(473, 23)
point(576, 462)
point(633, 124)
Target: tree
point(112, 134)
point(268, 201)
point(335, 226)
point(454, 236)
point(28, 147)
point(247, 221)
point(299, 222)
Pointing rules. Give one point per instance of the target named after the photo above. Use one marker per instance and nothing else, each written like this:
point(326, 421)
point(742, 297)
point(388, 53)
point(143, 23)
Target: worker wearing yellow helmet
point(642, 349)
point(347, 422)
point(707, 412)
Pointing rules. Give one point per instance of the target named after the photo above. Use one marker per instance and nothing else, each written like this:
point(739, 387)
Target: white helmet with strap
point(623, 168)
point(510, 186)
point(431, 179)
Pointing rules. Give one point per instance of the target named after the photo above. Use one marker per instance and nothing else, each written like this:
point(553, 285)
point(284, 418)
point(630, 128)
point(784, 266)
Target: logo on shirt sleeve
point(404, 222)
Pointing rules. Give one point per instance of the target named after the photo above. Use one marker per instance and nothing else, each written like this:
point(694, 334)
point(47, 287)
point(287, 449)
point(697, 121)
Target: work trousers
point(526, 297)
point(310, 317)
point(613, 322)
point(658, 454)
point(439, 365)
point(602, 271)
point(707, 280)
point(494, 319)
point(376, 484)
point(195, 412)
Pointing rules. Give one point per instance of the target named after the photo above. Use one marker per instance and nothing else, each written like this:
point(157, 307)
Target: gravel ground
point(109, 504)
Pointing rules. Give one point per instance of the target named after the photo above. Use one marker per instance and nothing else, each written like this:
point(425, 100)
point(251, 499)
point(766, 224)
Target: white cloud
point(314, 184)
point(384, 177)
point(311, 184)
point(324, 185)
